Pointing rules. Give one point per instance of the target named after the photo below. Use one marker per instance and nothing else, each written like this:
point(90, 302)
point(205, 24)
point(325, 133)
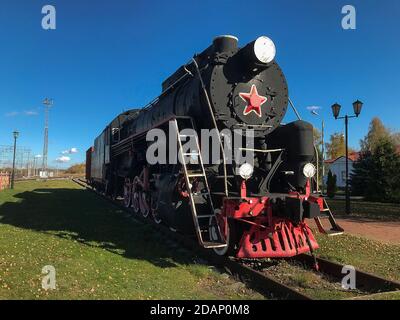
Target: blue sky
point(108, 56)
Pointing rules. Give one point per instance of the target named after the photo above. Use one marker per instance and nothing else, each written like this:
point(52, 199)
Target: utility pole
point(15, 134)
point(29, 165)
point(323, 156)
point(47, 104)
point(315, 113)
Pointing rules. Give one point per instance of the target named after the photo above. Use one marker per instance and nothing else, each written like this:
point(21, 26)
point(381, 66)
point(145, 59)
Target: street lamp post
point(15, 134)
point(322, 149)
point(357, 105)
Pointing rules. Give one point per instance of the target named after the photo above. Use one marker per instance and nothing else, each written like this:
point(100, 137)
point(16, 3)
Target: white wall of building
point(338, 168)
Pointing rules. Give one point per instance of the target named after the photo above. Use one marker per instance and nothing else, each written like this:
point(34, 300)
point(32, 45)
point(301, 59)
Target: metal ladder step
point(200, 203)
point(329, 232)
point(335, 228)
point(187, 135)
point(210, 245)
point(192, 175)
point(201, 194)
point(191, 154)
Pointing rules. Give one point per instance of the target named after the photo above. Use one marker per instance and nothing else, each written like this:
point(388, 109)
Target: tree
point(385, 172)
point(336, 146)
point(359, 176)
point(377, 132)
point(376, 174)
point(331, 187)
point(396, 138)
point(76, 169)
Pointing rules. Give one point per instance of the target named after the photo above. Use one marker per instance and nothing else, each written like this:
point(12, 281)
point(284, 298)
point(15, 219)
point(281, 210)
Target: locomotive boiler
point(255, 208)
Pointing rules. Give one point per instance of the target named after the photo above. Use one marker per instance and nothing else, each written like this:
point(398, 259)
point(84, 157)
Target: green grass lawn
point(97, 252)
point(366, 209)
point(364, 254)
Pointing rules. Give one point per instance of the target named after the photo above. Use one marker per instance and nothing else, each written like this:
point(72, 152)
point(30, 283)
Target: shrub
point(331, 186)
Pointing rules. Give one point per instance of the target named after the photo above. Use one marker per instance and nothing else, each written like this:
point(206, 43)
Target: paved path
point(384, 231)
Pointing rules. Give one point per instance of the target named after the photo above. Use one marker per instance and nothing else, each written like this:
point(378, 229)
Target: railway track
point(259, 278)
point(42, 179)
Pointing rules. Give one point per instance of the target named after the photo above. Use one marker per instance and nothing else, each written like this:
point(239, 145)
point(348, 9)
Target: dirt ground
point(384, 231)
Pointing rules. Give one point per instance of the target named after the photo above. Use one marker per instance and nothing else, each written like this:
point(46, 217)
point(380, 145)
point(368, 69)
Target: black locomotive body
point(252, 210)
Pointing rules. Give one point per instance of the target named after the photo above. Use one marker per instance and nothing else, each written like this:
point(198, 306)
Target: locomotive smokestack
point(225, 43)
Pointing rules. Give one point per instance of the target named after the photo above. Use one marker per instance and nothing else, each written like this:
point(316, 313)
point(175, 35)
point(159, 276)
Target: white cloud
point(313, 108)
point(25, 113)
point(30, 113)
point(12, 114)
point(70, 151)
point(63, 159)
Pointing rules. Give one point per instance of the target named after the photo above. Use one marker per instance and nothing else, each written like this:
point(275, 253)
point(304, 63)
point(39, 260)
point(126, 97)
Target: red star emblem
point(253, 100)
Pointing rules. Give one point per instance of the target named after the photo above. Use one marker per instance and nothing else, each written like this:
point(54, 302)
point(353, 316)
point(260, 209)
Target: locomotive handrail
point(214, 123)
point(188, 72)
point(261, 150)
point(252, 125)
point(294, 109)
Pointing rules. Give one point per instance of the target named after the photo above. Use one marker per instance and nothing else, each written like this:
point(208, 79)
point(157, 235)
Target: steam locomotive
point(251, 209)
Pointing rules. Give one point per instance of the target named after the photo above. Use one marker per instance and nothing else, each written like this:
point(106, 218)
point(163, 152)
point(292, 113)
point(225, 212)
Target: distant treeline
point(76, 169)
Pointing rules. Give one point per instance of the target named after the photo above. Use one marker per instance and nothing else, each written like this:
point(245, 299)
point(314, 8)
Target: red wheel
point(135, 196)
point(127, 193)
point(135, 202)
point(144, 204)
point(227, 230)
point(154, 209)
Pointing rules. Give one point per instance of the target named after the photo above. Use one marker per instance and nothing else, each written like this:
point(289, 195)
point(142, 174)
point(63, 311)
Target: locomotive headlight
point(264, 49)
point(246, 170)
point(309, 170)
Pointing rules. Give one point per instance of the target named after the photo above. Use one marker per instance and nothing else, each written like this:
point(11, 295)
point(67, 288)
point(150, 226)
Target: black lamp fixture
point(15, 134)
point(336, 110)
point(357, 105)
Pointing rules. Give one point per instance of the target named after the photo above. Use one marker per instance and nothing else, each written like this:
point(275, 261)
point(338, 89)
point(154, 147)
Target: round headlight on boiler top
point(246, 171)
point(309, 170)
point(264, 49)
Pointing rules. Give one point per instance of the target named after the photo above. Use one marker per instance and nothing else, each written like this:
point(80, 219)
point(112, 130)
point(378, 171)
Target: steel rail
point(364, 280)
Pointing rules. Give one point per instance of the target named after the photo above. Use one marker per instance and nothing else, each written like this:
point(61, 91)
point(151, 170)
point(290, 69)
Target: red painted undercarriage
point(270, 235)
